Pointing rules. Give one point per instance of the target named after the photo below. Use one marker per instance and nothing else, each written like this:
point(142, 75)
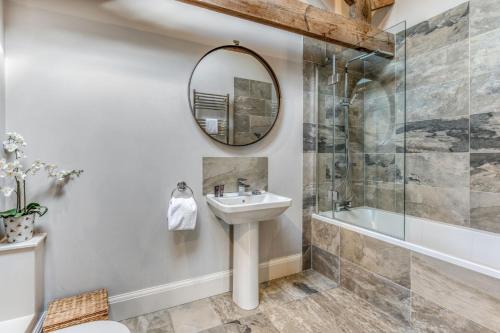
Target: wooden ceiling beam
point(362, 9)
point(377, 4)
point(304, 19)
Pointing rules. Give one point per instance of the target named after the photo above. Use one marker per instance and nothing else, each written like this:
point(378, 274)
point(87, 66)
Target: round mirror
point(234, 95)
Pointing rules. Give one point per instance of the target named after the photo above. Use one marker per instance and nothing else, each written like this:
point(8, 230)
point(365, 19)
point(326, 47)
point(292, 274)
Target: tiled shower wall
point(452, 125)
point(453, 117)
point(320, 115)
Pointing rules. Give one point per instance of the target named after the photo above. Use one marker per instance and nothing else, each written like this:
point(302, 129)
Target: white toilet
point(101, 326)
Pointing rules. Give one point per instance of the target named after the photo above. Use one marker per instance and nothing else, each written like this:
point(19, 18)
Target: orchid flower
point(14, 169)
point(6, 191)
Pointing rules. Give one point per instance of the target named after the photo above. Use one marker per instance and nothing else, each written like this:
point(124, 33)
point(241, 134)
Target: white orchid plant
point(13, 171)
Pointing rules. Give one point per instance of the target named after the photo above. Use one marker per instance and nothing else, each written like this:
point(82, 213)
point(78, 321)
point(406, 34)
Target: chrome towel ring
point(182, 187)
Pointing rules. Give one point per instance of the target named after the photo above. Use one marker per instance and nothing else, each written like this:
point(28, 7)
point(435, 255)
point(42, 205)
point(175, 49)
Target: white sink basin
point(236, 209)
point(245, 212)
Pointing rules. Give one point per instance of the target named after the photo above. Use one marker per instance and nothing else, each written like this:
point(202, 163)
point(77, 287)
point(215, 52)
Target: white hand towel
point(182, 214)
point(211, 126)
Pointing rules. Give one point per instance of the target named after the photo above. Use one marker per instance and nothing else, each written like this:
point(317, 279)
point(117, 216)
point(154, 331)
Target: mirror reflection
point(234, 96)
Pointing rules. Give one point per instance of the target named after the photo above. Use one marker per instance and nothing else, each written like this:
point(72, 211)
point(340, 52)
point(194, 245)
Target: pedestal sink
point(245, 212)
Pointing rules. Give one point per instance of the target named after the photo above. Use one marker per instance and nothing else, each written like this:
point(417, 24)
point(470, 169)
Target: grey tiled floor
point(306, 302)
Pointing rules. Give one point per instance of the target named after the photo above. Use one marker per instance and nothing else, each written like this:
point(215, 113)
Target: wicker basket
point(76, 310)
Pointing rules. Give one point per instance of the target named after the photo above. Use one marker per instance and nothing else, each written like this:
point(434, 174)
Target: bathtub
point(469, 248)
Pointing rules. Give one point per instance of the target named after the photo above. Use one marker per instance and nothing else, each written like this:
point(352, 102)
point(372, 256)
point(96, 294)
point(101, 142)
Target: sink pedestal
point(244, 212)
point(246, 265)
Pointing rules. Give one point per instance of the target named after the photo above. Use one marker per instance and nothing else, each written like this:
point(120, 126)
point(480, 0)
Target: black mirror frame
point(239, 48)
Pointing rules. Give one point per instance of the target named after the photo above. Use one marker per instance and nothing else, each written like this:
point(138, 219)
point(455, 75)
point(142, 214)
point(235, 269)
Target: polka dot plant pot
point(19, 229)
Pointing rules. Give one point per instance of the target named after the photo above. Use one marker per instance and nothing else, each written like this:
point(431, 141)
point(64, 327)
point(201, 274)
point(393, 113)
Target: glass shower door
point(361, 153)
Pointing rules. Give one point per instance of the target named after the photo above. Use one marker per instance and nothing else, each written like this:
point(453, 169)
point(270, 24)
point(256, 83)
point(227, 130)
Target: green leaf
point(9, 213)
point(35, 208)
point(32, 208)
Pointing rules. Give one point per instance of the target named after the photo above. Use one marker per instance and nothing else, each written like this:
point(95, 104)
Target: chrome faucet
point(242, 186)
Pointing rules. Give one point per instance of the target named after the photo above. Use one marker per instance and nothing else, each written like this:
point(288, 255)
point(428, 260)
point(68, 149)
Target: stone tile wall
point(453, 117)
point(255, 109)
point(323, 132)
point(450, 132)
point(485, 115)
point(226, 170)
point(428, 294)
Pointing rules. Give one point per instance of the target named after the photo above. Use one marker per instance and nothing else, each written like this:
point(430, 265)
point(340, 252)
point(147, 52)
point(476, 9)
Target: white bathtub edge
point(413, 247)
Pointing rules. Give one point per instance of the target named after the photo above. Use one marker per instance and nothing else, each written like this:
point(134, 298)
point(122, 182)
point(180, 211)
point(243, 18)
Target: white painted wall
point(2, 92)
point(112, 100)
point(412, 12)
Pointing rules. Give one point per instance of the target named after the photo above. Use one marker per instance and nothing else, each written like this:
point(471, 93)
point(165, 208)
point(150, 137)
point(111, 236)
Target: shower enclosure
point(360, 108)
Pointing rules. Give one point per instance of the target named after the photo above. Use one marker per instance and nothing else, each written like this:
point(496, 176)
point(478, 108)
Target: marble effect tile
point(384, 294)
point(326, 236)
point(485, 211)
point(318, 280)
point(309, 198)
point(297, 286)
point(485, 132)
point(380, 168)
point(309, 168)
point(449, 99)
point(382, 258)
point(381, 195)
point(427, 316)
point(358, 189)
point(325, 263)
point(261, 90)
point(449, 27)
point(306, 229)
point(464, 292)
point(325, 110)
point(314, 50)
point(380, 126)
point(325, 167)
point(325, 202)
point(358, 167)
point(241, 87)
point(353, 314)
point(438, 169)
point(484, 49)
point(226, 170)
point(309, 77)
point(227, 310)
point(249, 106)
point(302, 316)
point(309, 108)
point(442, 65)
point(306, 257)
point(485, 172)
point(309, 137)
point(150, 323)
point(449, 205)
point(438, 135)
point(183, 317)
point(272, 295)
point(484, 16)
point(258, 323)
point(484, 92)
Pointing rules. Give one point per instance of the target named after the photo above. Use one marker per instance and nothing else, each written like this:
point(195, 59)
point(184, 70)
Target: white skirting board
point(152, 299)
point(156, 298)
